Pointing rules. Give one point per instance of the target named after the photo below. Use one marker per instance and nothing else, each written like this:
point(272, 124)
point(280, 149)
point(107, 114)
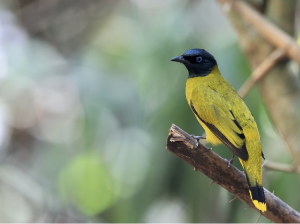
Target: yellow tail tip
point(260, 205)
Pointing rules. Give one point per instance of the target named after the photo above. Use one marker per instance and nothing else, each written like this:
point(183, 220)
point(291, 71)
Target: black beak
point(180, 59)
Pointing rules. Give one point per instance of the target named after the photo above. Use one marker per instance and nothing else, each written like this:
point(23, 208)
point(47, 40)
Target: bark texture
point(233, 180)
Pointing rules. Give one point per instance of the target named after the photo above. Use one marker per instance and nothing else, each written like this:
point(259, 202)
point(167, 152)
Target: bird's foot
point(230, 161)
point(264, 163)
point(198, 137)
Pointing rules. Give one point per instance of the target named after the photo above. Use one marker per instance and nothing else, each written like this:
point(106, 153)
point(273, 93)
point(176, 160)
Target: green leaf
point(87, 183)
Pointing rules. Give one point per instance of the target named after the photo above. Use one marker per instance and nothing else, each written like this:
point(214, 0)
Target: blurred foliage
point(87, 97)
point(86, 181)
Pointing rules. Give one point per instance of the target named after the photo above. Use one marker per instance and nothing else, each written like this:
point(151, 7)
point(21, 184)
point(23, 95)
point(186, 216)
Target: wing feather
point(222, 123)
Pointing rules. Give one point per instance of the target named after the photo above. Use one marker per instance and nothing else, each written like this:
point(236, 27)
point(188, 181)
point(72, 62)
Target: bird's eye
point(198, 59)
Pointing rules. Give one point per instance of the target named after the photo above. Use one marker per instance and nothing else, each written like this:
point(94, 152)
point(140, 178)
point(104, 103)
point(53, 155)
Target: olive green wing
point(215, 112)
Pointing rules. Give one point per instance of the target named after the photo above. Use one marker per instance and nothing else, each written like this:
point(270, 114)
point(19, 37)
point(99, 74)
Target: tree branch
point(268, 30)
point(233, 180)
point(261, 71)
point(282, 167)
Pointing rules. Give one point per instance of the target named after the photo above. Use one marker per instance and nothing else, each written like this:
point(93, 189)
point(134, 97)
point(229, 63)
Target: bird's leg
point(198, 137)
point(230, 161)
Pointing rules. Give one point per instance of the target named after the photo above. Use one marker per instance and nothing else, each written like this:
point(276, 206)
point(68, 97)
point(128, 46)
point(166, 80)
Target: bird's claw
point(198, 137)
point(230, 161)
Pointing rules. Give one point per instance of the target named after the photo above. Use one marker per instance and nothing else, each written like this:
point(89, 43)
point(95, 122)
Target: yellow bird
point(224, 116)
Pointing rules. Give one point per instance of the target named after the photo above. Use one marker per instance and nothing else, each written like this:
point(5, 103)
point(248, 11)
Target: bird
point(225, 117)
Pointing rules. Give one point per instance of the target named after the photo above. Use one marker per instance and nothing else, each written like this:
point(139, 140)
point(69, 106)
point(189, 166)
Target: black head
point(197, 61)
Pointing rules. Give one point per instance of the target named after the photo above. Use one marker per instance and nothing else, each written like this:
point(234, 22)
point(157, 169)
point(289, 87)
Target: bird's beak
point(180, 59)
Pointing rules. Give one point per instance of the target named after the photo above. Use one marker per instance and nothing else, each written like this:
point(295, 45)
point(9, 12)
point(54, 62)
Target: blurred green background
point(87, 97)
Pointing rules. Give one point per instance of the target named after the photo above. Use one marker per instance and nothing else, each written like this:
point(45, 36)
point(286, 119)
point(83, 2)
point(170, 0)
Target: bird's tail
point(256, 193)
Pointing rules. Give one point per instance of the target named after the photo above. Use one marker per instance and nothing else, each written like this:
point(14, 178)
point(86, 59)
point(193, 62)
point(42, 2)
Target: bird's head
point(197, 61)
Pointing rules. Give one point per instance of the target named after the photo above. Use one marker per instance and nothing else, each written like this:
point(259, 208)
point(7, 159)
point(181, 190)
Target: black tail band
point(257, 192)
